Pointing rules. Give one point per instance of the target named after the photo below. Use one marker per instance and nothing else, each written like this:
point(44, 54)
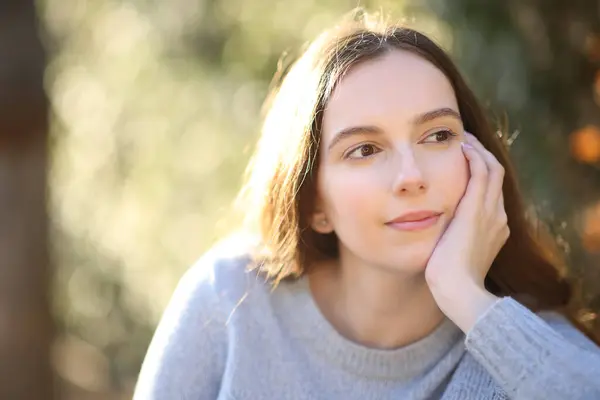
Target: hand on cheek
point(463, 255)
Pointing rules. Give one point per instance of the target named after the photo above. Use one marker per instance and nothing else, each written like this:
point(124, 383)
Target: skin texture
point(390, 287)
point(411, 170)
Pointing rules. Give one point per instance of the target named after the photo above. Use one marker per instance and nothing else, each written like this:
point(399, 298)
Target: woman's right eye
point(362, 151)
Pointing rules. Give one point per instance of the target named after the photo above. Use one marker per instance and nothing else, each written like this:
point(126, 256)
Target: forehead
point(392, 88)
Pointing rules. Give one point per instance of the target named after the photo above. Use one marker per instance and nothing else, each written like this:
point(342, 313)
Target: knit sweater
point(226, 334)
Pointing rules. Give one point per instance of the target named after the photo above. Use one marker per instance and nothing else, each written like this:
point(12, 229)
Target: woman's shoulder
point(195, 323)
point(224, 275)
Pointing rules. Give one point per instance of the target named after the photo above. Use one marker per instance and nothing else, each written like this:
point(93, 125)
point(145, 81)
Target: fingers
point(495, 174)
point(476, 189)
point(503, 216)
point(494, 197)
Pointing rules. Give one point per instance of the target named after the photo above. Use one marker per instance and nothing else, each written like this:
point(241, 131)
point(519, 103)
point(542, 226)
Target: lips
point(415, 216)
point(414, 221)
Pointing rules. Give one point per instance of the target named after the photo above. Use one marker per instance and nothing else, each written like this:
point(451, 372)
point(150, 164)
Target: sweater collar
point(306, 322)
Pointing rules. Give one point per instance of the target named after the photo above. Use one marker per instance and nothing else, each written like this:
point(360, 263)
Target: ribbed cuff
point(510, 341)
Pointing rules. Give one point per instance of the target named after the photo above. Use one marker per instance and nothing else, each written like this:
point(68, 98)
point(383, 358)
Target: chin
point(394, 257)
point(414, 258)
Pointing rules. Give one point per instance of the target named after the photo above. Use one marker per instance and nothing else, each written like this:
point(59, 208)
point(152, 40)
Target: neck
point(374, 306)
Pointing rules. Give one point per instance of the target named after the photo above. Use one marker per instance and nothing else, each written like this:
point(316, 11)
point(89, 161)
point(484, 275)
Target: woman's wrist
point(464, 304)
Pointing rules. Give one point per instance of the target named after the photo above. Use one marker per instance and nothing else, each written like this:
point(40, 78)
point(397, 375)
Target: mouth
point(415, 221)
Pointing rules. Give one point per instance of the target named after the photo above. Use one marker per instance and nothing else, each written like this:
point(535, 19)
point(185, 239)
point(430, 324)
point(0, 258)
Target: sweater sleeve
point(530, 358)
point(185, 359)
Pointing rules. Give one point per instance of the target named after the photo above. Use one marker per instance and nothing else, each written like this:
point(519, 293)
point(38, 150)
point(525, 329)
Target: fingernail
point(466, 145)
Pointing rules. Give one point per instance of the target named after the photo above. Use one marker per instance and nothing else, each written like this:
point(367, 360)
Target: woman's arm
point(534, 359)
point(186, 357)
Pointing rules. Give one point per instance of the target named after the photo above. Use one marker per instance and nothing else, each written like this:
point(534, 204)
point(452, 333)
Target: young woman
point(394, 258)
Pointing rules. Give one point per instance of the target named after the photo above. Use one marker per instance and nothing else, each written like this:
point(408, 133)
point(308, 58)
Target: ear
point(320, 223)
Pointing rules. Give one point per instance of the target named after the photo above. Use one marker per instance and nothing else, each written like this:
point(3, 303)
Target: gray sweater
point(227, 335)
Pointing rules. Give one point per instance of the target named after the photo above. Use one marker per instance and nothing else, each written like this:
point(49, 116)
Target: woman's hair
point(280, 190)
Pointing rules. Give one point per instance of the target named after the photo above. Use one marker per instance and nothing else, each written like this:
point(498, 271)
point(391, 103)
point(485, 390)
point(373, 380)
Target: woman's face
point(391, 145)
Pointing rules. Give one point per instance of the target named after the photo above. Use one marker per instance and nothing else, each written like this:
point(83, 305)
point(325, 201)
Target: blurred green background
point(155, 107)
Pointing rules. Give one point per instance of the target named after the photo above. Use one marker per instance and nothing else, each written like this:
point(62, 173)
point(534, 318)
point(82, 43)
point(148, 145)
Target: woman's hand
point(464, 254)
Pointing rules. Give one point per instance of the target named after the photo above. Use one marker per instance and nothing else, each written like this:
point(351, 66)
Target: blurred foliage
point(156, 106)
point(537, 66)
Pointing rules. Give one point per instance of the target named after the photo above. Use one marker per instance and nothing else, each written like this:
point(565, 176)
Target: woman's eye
point(363, 151)
point(441, 136)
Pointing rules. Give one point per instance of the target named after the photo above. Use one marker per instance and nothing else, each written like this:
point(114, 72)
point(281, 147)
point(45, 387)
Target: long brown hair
point(281, 182)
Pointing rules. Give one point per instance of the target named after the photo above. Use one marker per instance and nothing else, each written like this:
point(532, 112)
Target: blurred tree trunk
point(26, 328)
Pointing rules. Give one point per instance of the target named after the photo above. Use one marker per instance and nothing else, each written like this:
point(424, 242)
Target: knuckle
point(502, 223)
point(501, 171)
point(482, 173)
point(503, 218)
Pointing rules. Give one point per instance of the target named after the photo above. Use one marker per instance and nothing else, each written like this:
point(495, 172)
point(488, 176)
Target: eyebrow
point(374, 130)
point(440, 112)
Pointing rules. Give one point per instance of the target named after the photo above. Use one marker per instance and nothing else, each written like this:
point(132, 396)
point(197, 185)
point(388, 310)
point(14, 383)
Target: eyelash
point(447, 131)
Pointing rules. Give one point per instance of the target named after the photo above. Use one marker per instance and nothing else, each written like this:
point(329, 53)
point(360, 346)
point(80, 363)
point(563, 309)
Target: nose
point(409, 178)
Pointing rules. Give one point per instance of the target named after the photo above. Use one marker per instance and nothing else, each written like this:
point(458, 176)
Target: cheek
point(346, 193)
point(452, 176)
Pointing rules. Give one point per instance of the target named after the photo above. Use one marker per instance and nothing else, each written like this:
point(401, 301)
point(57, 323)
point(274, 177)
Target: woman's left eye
point(445, 135)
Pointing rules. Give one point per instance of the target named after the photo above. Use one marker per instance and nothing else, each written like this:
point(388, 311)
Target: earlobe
point(319, 221)
point(321, 224)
